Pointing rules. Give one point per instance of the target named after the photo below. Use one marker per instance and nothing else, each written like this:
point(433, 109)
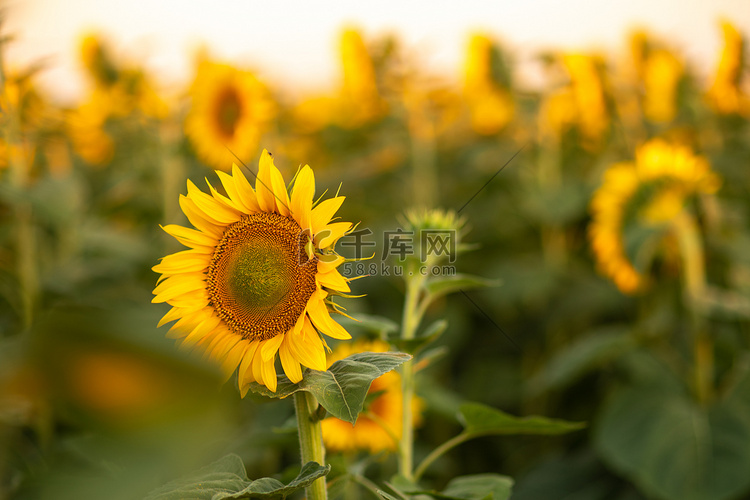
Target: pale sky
point(293, 43)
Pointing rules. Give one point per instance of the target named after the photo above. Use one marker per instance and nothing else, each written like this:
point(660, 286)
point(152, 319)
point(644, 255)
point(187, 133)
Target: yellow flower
point(661, 78)
point(490, 103)
point(360, 87)
point(258, 276)
point(358, 101)
point(231, 110)
point(368, 433)
point(581, 104)
point(652, 191)
point(725, 94)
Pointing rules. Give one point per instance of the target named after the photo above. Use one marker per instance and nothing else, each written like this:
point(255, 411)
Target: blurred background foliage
point(618, 230)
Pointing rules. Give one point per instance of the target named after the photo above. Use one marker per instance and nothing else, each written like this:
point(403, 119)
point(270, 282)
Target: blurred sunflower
point(380, 428)
point(258, 276)
point(725, 94)
point(660, 73)
point(23, 112)
point(231, 110)
point(651, 192)
point(358, 101)
point(117, 92)
point(486, 87)
point(582, 103)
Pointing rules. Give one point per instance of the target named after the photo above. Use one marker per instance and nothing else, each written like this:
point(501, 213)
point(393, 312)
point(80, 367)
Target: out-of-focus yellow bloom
point(230, 111)
point(661, 78)
point(588, 92)
point(581, 104)
point(97, 61)
point(658, 72)
point(116, 385)
point(22, 114)
point(725, 94)
point(368, 434)
point(357, 103)
point(652, 191)
point(116, 93)
point(490, 104)
point(360, 86)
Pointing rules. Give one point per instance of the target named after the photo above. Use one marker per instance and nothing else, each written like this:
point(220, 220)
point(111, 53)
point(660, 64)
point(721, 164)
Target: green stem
point(310, 440)
point(410, 322)
point(437, 452)
point(693, 263)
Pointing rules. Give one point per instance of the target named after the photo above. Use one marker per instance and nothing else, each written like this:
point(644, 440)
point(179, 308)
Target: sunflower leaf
point(342, 389)
point(481, 420)
point(437, 287)
point(226, 479)
point(473, 487)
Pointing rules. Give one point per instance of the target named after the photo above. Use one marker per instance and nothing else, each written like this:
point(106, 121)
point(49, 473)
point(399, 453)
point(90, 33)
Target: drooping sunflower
point(726, 95)
point(490, 104)
point(258, 276)
point(230, 111)
point(650, 192)
point(378, 429)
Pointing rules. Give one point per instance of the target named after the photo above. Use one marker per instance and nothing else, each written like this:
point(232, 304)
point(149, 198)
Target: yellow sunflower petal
point(289, 363)
point(331, 233)
point(327, 263)
point(334, 281)
point(245, 190)
point(233, 359)
point(271, 347)
point(302, 196)
point(199, 219)
point(211, 206)
point(322, 319)
point(264, 185)
point(323, 212)
point(245, 374)
point(279, 191)
point(269, 375)
point(190, 237)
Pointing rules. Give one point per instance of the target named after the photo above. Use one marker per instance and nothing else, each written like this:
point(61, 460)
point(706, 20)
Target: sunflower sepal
point(342, 389)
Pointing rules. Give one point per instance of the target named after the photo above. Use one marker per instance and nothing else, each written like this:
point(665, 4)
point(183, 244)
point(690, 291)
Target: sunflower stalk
point(310, 440)
point(412, 316)
point(691, 247)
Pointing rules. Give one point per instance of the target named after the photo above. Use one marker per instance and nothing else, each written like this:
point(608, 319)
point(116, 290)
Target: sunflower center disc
point(260, 279)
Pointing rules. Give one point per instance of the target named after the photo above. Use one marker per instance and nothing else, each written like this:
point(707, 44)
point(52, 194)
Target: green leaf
point(343, 388)
point(575, 360)
point(226, 479)
point(386, 496)
point(673, 448)
point(437, 287)
point(479, 487)
point(474, 487)
point(481, 420)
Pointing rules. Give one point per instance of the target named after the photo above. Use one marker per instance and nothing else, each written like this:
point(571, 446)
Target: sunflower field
point(411, 286)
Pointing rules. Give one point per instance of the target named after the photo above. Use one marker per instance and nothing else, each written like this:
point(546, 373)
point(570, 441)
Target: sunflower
point(258, 277)
point(726, 95)
point(490, 103)
point(651, 192)
point(380, 429)
point(231, 109)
